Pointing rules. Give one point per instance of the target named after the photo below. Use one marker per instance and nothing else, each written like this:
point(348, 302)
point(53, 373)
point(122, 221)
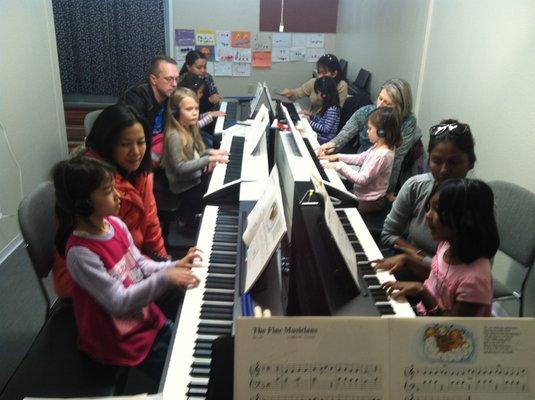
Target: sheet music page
point(268, 227)
point(324, 358)
point(462, 358)
point(336, 228)
point(256, 132)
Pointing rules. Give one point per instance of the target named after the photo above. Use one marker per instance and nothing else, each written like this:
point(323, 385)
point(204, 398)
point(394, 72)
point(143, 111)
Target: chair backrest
point(515, 217)
point(89, 120)
point(363, 80)
point(37, 225)
point(352, 104)
point(343, 67)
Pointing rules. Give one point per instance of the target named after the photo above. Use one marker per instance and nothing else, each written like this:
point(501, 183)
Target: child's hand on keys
point(392, 264)
point(401, 289)
point(192, 259)
point(182, 277)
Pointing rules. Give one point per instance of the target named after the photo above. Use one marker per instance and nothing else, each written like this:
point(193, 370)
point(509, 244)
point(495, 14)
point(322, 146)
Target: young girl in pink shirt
point(461, 219)
point(375, 164)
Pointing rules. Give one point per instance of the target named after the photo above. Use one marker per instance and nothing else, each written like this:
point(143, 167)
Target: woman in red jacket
point(119, 138)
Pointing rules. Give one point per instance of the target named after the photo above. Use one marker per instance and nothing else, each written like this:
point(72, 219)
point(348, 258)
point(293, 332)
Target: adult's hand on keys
point(325, 148)
point(286, 92)
point(392, 264)
point(215, 98)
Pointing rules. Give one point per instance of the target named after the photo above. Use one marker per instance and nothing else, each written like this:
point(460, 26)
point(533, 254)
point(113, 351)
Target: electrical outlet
point(251, 88)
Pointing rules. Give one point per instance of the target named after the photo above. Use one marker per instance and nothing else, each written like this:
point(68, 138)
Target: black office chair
point(168, 203)
point(53, 366)
point(363, 80)
point(343, 67)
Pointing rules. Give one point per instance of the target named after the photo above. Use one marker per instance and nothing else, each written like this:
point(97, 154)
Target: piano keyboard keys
point(233, 168)
point(365, 251)
point(208, 310)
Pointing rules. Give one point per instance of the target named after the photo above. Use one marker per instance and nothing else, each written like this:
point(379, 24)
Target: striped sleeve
point(327, 125)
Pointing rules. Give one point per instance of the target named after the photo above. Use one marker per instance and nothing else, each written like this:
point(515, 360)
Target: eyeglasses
point(171, 79)
point(439, 129)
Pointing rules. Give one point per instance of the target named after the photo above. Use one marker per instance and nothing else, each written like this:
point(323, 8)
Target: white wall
point(31, 109)
point(480, 69)
point(384, 37)
point(241, 15)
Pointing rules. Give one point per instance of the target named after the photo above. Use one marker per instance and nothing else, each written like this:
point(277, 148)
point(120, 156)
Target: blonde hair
point(189, 136)
point(399, 91)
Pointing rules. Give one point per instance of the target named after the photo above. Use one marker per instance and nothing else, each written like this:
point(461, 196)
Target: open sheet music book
point(266, 225)
point(335, 227)
point(384, 359)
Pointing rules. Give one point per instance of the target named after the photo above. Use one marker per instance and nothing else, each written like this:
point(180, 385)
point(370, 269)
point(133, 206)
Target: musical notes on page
point(377, 358)
point(315, 377)
point(482, 379)
point(312, 397)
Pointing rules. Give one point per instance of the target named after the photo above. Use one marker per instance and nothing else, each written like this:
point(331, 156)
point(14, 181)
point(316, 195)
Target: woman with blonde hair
point(396, 94)
point(186, 161)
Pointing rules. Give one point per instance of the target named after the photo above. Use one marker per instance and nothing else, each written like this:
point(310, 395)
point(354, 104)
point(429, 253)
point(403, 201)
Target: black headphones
point(389, 114)
point(82, 207)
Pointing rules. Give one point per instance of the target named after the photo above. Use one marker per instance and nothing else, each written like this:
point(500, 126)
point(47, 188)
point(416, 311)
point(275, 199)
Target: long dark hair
point(191, 81)
point(74, 181)
point(191, 57)
point(466, 206)
point(106, 132)
point(330, 63)
point(326, 86)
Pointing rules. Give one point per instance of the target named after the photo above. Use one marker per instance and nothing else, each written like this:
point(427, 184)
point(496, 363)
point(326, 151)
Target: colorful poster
point(298, 53)
point(281, 40)
point(208, 51)
point(224, 53)
point(242, 55)
point(223, 68)
point(241, 69)
point(184, 37)
point(205, 37)
point(280, 54)
point(241, 39)
point(314, 54)
point(262, 41)
point(181, 51)
point(261, 59)
point(222, 39)
point(316, 40)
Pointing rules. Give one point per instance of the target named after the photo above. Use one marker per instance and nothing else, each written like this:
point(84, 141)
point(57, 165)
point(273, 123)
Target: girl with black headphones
point(114, 285)
point(371, 179)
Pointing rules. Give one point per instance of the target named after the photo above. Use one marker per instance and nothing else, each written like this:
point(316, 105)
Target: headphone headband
point(398, 88)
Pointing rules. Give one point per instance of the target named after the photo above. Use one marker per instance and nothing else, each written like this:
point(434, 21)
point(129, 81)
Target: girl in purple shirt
point(461, 218)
